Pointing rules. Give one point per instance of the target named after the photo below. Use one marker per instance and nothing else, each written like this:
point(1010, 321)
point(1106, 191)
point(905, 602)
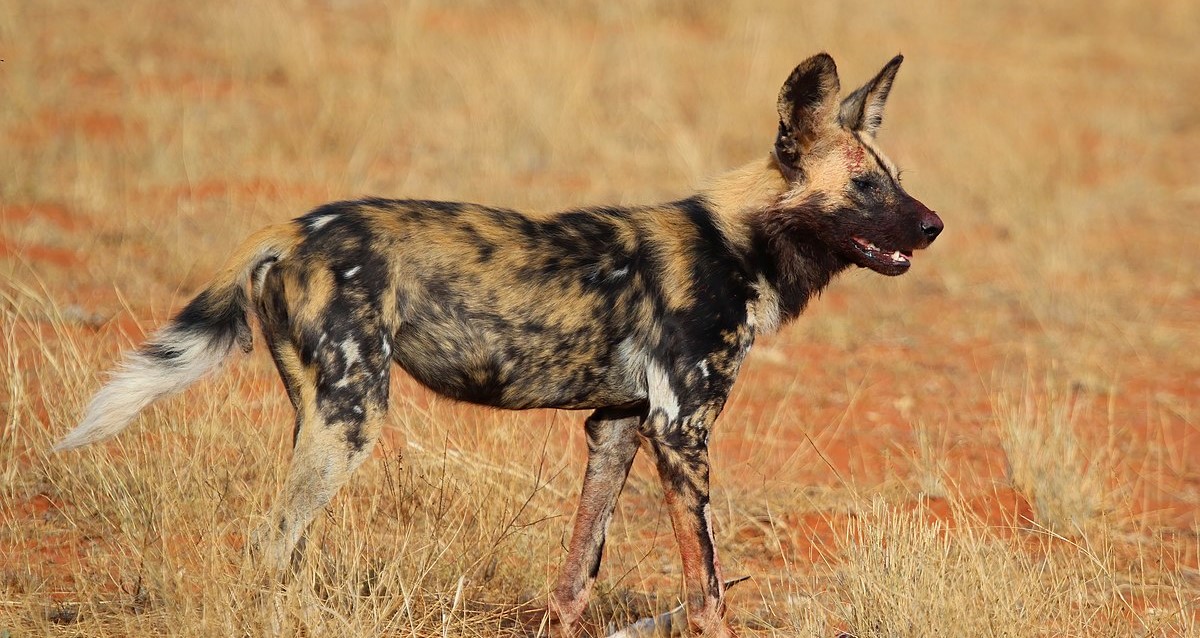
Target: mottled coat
point(642, 314)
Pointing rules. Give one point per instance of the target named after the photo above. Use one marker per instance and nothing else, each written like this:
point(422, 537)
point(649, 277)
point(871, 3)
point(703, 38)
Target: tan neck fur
point(739, 194)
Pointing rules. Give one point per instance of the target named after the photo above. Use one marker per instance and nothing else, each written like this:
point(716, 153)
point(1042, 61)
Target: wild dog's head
point(842, 191)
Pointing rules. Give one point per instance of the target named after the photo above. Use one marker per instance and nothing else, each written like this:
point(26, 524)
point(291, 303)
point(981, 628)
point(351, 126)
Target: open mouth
point(887, 262)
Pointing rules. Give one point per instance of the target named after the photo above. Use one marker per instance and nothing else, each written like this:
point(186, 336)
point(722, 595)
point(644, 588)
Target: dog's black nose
point(932, 226)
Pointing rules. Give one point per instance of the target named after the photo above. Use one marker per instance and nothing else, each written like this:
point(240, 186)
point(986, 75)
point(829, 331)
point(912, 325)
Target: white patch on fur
point(703, 365)
point(350, 352)
point(659, 387)
point(762, 315)
point(143, 379)
point(708, 523)
point(353, 271)
point(318, 222)
point(260, 275)
point(387, 347)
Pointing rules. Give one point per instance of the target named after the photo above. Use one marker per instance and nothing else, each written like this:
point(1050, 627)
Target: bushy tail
point(192, 345)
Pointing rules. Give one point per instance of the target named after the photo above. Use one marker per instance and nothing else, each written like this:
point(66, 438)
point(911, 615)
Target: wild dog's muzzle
point(890, 253)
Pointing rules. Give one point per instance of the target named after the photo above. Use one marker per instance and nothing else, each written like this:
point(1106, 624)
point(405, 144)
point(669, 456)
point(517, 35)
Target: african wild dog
point(642, 314)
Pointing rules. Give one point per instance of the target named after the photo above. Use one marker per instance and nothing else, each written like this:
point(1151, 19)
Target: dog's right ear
point(805, 103)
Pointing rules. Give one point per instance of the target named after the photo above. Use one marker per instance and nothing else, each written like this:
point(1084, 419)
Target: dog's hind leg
point(340, 393)
point(613, 442)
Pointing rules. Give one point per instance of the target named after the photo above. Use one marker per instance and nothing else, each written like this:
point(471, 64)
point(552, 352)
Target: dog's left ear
point(806, 104)
point(862, 110)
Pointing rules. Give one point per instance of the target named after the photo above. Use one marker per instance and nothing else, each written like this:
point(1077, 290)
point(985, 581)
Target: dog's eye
point(864, 184)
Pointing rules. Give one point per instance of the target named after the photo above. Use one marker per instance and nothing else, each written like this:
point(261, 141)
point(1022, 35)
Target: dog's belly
point(518, 368)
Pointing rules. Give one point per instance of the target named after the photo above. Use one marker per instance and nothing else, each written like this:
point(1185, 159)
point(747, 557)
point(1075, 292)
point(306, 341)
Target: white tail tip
point(144, 378)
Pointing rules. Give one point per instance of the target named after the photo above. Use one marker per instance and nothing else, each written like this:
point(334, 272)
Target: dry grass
point(1058, 143)
point(907, 576)
point(929, 463)
point(1047, 462)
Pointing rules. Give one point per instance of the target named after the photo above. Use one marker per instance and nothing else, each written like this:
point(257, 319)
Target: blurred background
point(1022, 404)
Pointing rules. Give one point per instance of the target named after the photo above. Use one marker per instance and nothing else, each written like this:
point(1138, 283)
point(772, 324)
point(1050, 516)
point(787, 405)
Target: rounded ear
point(804, 101)
point(862, 110)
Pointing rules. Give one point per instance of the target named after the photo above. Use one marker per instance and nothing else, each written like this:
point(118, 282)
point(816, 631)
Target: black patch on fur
point(594, 570)
point(721, 288)
point(161, 352)
point(508, 218)
point(218, 315)
point(485, 248)
point(449, 209)
point(804, 92)
point(720, 276)
point(793, 255)
point(213, 311)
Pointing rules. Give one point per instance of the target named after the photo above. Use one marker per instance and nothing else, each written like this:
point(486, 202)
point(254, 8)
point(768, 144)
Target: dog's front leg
point(683, 470)
point(685, 398)
point(613, 441)
point(685, 401)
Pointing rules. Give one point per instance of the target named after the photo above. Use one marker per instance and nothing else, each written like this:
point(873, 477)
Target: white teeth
point(870, 247)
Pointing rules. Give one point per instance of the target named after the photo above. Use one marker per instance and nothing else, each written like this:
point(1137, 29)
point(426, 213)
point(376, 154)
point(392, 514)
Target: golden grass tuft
point(906, 575)
point(1047, 462)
